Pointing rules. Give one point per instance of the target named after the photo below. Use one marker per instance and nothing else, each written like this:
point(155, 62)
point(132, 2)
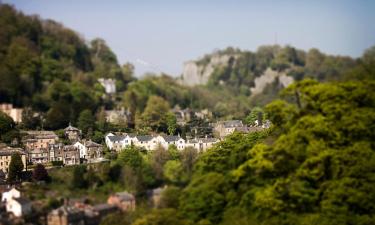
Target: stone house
point(39, 139)
point(123, 200)
point(71, 155)
point(201, 144)
point(14, 113)
point(56, 152)
point(66, 215)
point(225, 128)
point(6, 155)
point(39, 155)
point(89, 150)
point(73, 134)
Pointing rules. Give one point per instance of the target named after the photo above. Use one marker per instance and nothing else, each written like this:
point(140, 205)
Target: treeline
point(50, 69)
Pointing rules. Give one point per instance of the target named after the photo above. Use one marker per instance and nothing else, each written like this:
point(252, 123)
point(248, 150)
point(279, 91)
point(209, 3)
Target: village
point(46, 148)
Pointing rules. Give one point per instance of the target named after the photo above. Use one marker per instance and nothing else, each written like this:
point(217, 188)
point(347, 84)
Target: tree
point(155, 114)
point(173, 171)
point(171, 123)
point(16, 167)
point(40, 173)
point(255, 114)
point(204, 198)
point(78, 179)
point(6, 123)
point(162, 217)
point(170, 197)
point(86, 122)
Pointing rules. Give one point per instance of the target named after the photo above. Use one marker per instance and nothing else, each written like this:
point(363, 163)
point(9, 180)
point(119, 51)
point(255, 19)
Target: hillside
point(51, 69)
point(249, 73)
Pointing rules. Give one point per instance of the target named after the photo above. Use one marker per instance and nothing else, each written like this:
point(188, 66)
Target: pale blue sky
point(161, 35)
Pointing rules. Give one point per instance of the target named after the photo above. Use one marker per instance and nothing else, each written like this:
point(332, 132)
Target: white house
point(16, 204)
point(82, 149)
point(119, 142)
point(8, 195)
point(201, 144)
point(166, 141)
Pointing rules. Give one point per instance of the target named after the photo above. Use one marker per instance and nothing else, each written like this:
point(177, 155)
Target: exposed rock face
point(268, 77)
point(196, 73)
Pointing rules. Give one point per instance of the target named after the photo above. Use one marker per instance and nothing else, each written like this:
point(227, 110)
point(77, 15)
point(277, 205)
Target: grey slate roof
point(233, 123)
point(116, 138)
point(144, 137)
point(71, 128)
point(92, 144)
point(7, 151)
point(171, 138)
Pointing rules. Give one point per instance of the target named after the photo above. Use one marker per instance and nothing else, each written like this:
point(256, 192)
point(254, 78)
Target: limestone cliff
point(198, 72)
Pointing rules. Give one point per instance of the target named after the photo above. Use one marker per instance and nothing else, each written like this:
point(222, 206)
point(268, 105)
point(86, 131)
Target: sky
point(160, 35)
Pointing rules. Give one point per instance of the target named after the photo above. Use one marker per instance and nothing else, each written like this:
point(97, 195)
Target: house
point(89, 150)
point(39, 139)
point(118, 142)
point(73, 134)
point(224, 128)
point(6, 155)
point(108, 84)
point(70, 155)
point(15, 203)
point(14, 113)
point(123, 200)
point(167, 140)
point(38, 155)
point(56, 152)
point(145, 141)
point(66, 215)
point(182, 115)
point(201, 144)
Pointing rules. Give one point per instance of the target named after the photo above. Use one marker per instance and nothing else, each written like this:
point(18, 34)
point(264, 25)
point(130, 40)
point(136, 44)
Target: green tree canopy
point(16, 167)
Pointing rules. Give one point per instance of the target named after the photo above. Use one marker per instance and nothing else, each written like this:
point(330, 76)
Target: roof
point(70, 148)
point(92, 144)
point(103, 207)
point(171, 138)
point(71, 128)
point(67, 211)
point(144, 137)
point(116, 138)
point(8, 151)
point(22, 201)
point(232, 123)
point(208, 140)
point(125, 196)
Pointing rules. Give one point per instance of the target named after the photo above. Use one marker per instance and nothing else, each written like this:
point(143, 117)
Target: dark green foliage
point(16, 167)
point(86, 122)
point(162, 217)
point(78, 180)
point(40, 173)
point(204, 198)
